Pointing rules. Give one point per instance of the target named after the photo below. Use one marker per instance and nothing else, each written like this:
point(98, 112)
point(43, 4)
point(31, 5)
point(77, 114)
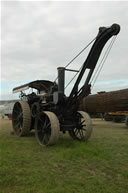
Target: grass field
point(98, 166)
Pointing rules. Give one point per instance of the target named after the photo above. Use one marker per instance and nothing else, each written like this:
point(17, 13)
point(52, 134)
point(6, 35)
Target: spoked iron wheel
point(47, 128)
point(84, 127)
point(21, 118)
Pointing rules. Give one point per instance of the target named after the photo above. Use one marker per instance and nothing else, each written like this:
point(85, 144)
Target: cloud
point(37, 37)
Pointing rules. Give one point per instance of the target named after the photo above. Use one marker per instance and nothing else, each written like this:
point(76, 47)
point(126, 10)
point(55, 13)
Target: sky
point(39, 36)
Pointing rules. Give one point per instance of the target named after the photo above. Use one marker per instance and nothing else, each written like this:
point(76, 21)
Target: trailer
point(112, 106)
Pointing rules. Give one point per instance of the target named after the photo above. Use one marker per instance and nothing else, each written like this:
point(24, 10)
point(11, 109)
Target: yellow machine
point(118, 116)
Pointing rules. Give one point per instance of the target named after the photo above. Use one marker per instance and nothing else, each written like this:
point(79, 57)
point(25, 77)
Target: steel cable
point(102, 62)
point(78, 55)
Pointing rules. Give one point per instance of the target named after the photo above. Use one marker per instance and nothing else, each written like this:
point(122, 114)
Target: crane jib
point(103, 36)
point(99, 44)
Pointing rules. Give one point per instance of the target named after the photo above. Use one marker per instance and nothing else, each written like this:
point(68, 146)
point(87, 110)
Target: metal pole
point(61, 79)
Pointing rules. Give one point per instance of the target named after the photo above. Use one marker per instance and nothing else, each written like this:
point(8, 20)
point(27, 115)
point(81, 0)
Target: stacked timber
point(106, 102)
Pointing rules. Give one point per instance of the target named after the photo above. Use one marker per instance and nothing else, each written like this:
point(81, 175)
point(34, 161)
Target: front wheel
point(47, 128)
point(83, 130)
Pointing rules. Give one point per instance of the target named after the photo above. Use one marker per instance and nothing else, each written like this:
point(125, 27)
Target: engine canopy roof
point(40, 85)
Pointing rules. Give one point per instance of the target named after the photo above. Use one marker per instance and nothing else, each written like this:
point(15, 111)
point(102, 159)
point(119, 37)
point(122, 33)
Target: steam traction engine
point(50, 111)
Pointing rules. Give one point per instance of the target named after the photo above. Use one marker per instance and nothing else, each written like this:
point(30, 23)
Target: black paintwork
point(54, 99)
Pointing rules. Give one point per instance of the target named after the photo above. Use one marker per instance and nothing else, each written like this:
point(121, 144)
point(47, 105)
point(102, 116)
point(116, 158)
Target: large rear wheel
point(47, 128)
point(83, 130)
point(21, 118)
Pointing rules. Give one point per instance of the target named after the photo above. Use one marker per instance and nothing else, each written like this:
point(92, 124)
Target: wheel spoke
point(41, 120)
point(82, 135)
point(48, 124)
point(15, 119)
point(76, 131)
point(45, 139)
point(84, 129)
point(21, 114)
point(44, 126)
point(15, 111)
point(82, 122)
point(17, 125)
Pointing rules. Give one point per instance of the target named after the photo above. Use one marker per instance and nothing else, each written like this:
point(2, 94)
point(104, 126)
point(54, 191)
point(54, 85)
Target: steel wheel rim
point(83, 128)
point(80, 130)
point(47, 128)
point(43, 129)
